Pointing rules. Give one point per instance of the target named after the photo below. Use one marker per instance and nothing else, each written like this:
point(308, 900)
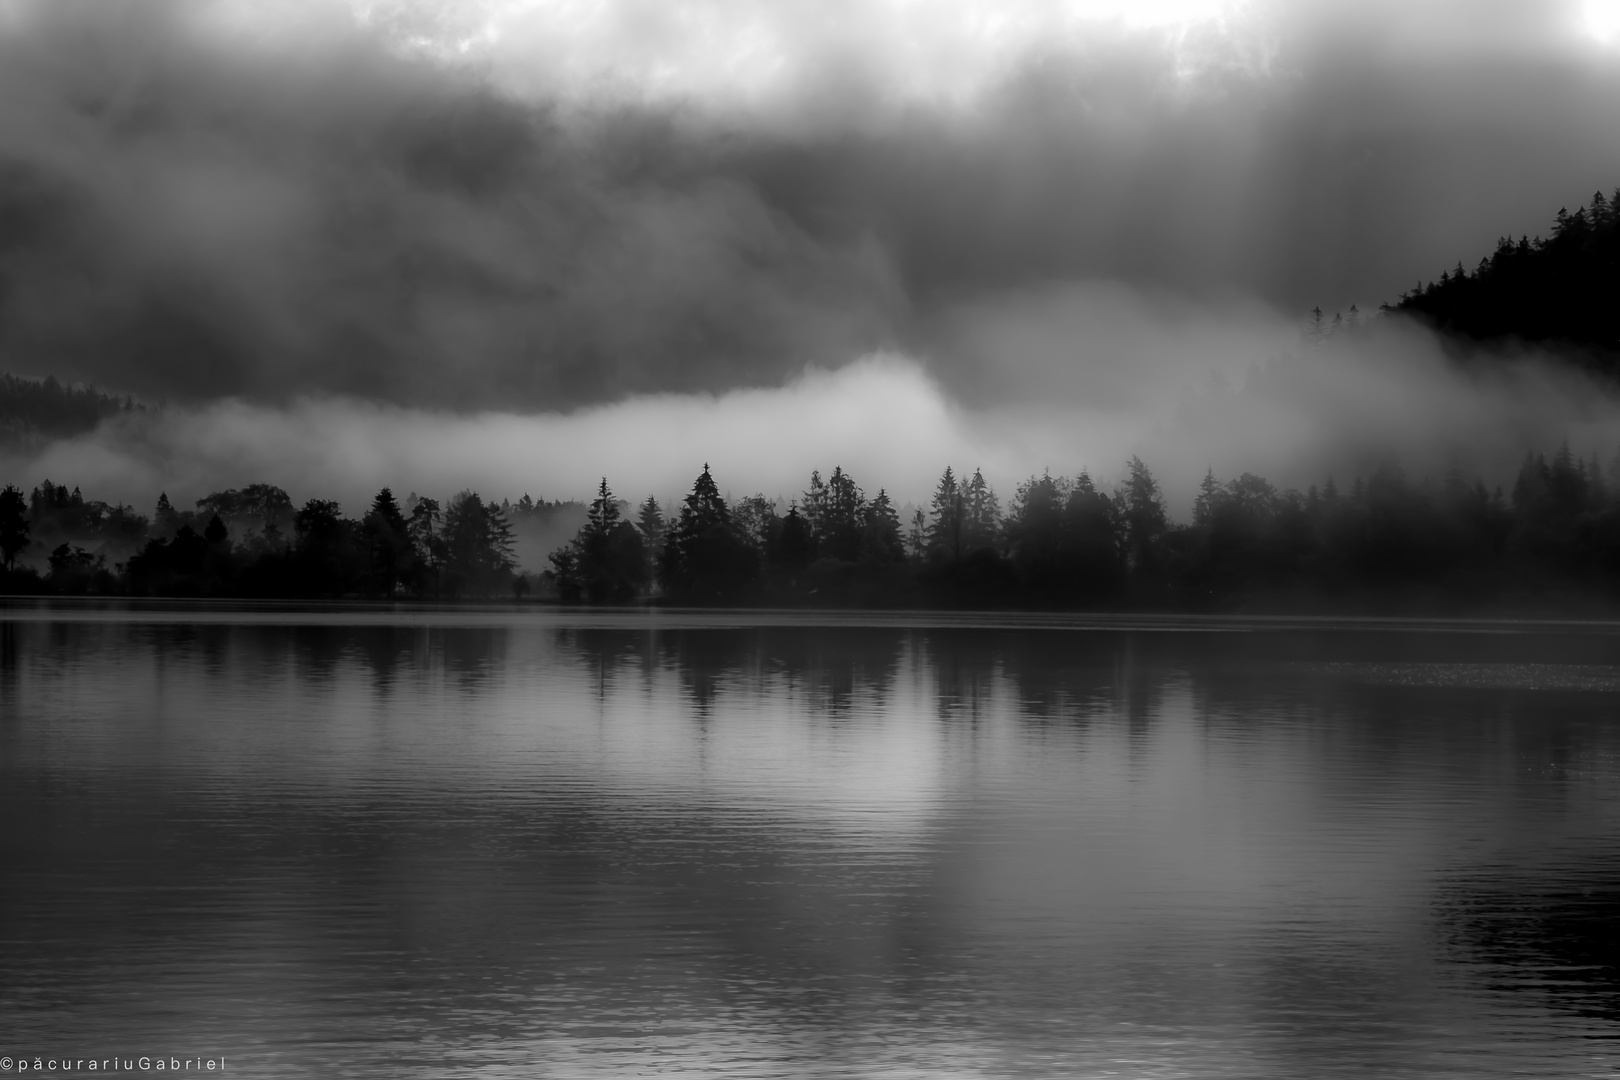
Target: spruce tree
point(14, 525)
point(1209, 493)
point(945, 530)
point(881, 541)
point(795, 546)
point(1144, 515)
point(705, 561)
point(650, 520)
point(388, 542)
point(917, 539)
point(842, 520)
point(815, 505)
point(607, 560)
point(981, 515)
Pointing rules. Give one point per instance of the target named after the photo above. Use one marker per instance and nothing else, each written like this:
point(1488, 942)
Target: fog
point(1168, 382)
point(516, 246)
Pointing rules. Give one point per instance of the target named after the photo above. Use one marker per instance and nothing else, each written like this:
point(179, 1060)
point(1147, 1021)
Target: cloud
point(1183, 396)
point(206, 199)
point(194, 221)
point(880, 415)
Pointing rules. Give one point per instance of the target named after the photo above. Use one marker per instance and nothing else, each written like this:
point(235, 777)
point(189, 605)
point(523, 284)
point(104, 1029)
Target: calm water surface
point(406, 843)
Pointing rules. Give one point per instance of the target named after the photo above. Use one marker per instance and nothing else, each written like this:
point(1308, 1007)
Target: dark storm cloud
point(192, 212)
point(192, 217)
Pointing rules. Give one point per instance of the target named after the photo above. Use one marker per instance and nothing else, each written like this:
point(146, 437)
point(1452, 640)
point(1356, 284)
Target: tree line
point(1559, 289)
point(34, 411)
point(253, 542)
point(1386, 542)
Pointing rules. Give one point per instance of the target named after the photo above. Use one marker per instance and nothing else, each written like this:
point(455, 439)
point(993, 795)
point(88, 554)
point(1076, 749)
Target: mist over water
point(1185, 397)
point(527, 247)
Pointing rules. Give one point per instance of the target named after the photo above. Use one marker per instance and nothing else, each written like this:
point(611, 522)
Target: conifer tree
point(981, 513)
point(917, 538)
point(478, 545)
point(1209, 493)
point(705, 561)
point(388, 542)
point(795, 546)
point(427, 540)
point(1144, 515)
point(881, 541)
point(607, 560)
point(14, 526)
point(842, 517)
point(165, 516)
point(501, 550)
point(756, 519)
point(945, 530)
point(815, 504)
point(603, 513)
point(650, 520)
point(1035, 524)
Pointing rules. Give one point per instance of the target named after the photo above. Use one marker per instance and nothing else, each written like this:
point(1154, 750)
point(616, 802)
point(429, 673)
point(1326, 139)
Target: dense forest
point(35, 411)
point(254, 542)
point(1384, 543)
point(1562, 290)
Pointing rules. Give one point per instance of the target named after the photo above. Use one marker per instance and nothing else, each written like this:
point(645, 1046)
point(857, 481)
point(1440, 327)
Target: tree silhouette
point(842, 522)
point(72, 569)
point(35, 410)
point(795, 545)
point(1065, 540)
point(263, 506)
point(1094, 539)
point(477, 545)
point(945, 530)
point(650, 520)
point(1209, 493)
point(815, 504)
point(389, 551)
point(756, 520)
point(1560, 289)
point(1144, 515)
point(981, 514)
point(917, 538)
point(881, 541)
point(705, 560)
point(1034, 527)
point(325, 551)
point(427, 541)
point(1389, 543)
point(14, 527)
point(165, 516)
point(607, 560)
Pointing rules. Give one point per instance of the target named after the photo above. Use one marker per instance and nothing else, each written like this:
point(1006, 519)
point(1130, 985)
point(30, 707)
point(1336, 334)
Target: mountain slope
point(1563, 290)
point(38, 410)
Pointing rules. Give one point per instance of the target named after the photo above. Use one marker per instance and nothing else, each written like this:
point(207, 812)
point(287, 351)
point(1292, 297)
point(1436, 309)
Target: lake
point(432, 842)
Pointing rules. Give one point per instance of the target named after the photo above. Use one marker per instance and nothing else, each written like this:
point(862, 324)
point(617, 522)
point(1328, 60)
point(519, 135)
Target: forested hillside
point(33, 411)
point(1563, 289)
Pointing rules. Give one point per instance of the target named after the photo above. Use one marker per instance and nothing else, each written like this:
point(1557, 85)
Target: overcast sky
point(534, 206)
point(547, 203)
